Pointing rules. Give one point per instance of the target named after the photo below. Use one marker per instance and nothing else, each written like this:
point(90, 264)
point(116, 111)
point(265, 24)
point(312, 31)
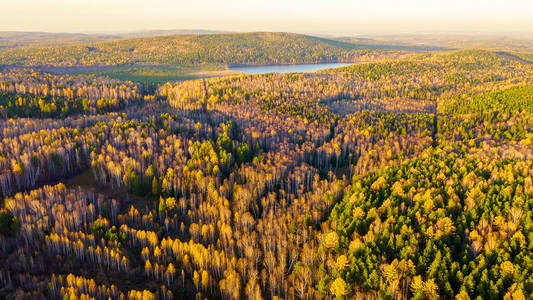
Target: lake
point(300, 68)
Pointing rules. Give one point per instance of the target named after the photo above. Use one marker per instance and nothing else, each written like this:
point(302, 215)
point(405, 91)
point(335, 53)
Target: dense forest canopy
point(409, 177)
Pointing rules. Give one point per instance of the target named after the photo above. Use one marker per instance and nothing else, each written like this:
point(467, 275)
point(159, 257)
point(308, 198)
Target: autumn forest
point(407, 174)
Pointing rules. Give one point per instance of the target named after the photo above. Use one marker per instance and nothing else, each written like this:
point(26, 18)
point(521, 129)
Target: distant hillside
point(503, 43)
point(235, 48)
point(390, 45)
point(14, 39)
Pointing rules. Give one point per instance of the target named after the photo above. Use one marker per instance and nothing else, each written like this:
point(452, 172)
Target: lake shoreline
point(286, 68)
point(289, 64)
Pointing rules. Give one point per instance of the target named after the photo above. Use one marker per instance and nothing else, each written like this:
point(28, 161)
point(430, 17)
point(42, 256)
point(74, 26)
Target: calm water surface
point(286, 68)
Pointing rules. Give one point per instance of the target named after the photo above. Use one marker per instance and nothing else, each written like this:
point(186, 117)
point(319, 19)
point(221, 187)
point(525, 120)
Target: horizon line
point(464, 33)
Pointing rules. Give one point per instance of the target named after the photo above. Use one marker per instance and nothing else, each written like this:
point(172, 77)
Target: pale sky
point(310, 16)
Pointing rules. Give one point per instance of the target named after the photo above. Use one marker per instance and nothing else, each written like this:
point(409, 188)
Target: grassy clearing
point(86, 181)
point(160, 74)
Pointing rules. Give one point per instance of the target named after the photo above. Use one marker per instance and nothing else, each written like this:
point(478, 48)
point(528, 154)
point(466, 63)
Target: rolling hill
point(234, 48)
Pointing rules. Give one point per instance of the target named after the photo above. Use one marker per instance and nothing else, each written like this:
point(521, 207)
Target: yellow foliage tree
point(462, 296)
point(339, 287)
point(331, 240)
point(507, 269)
point(342, 262)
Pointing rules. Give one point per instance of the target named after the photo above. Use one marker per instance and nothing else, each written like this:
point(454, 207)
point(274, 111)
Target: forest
point(228, 48)
point(408, 176)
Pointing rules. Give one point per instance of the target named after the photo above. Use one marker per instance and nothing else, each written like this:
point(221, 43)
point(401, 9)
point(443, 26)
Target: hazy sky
point(318, 16)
